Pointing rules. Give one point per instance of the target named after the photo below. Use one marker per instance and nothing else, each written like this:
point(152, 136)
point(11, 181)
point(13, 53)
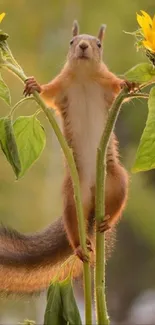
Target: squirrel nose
point(83, 46)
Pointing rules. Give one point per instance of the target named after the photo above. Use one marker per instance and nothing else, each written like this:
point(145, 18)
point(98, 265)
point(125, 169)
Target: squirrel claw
point(89, 245)
point(132, 86)
point(30, 86)
point(104, 225)
point(80, 254)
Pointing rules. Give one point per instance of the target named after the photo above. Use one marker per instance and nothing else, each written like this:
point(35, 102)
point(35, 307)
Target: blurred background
point(39, 36)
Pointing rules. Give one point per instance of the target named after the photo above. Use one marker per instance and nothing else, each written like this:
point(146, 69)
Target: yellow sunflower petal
point(147, 17)
point(153, 23)
point(140, 20)
point(148, 46)
point(153, 50)
point(2, 16)
point(144, 24)
point(153, 42)
point(147, 33)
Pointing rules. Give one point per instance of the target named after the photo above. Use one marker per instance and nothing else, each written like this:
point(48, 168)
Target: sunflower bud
point(3, 36)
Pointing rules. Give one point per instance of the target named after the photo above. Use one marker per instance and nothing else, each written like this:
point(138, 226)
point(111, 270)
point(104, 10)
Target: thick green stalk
point(101, 308)
point(76, 184)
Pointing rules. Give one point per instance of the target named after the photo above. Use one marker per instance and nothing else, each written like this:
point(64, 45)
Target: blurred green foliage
point(39, 37)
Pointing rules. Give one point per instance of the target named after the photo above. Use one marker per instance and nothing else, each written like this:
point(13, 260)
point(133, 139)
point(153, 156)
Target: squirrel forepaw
point(79, 252)
point(104, 225)
point(90, 246)
point(31, 85)
point(132, 86)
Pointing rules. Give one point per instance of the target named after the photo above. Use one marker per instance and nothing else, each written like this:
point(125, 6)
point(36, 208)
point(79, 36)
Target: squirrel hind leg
point(70, 217)
point(116, 193)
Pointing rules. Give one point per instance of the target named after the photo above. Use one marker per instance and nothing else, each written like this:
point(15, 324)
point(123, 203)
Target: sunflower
point(147, 25)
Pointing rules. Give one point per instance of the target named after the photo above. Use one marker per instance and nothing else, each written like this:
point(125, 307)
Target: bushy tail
point(28, 262)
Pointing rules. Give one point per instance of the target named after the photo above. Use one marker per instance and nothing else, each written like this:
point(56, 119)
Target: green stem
point(11, 57)
point(101, 308)
point(37, 112)
point(79, 208)
point(15, 70)
point(102, 315)
point(19, 103)
point(76, 184)
point(149, 83)
point(63, 265)
point(138, 95)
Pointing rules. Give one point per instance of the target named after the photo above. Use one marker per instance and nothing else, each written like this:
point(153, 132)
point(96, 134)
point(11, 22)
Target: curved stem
point(138, 95)
point(20, 103)
point(76, 184)
point(102, 315)
point(38, 112)
point(63, 265)
point(101, 307)
point(144, 85)
point(15, 70)
point(9, 55)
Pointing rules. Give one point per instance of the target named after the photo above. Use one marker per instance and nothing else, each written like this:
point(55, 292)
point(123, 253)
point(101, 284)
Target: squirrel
point(82, 93)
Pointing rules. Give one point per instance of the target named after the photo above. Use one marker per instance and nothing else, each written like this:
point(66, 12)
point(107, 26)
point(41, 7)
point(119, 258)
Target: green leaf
point(70, 310)
point(8, 144)
point(141, 73)
point(4, 92)
point(145, 156)
point(53, 312)
point(22, 142)
point(30, 138)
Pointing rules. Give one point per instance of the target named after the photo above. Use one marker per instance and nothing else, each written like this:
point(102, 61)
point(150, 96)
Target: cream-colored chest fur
point(87, 113)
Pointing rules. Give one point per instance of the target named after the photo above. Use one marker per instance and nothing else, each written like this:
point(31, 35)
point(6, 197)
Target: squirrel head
point(85, 49)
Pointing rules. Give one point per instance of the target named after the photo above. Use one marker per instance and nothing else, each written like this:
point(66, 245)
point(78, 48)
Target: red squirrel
point(82, 93)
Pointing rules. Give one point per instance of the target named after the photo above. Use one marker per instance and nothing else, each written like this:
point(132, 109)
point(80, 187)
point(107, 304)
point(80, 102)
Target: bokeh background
point(39, 36)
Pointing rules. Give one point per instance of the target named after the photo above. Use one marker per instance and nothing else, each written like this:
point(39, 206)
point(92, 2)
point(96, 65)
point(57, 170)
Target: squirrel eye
point(71, 42)
point(99, 44)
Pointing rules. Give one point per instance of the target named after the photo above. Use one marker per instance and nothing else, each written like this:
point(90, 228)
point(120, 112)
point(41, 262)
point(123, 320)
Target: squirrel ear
point(75, 28)
point(101, 32)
